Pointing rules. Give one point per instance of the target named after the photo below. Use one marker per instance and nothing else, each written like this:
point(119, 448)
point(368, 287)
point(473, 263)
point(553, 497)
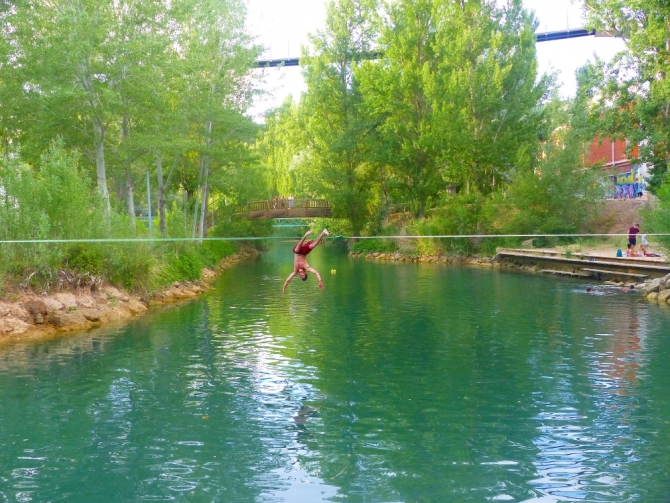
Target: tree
point(334, 124)
point(130, 79)
point(396, 100)
point(64, 80)
point(486, 92)
point(455, 98)
point(219, 56)
point(632, 95)
point(280, 146)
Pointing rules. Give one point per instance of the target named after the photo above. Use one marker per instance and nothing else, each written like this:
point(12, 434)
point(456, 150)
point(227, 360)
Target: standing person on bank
point(632, 238)
point(644, 244)
point(300, 265)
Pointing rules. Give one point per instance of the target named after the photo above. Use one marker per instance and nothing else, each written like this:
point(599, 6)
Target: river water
point(396, 383)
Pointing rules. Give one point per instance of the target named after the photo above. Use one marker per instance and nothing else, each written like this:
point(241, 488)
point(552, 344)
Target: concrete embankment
point(32, 316)
point(429, 259)
point(651, 277)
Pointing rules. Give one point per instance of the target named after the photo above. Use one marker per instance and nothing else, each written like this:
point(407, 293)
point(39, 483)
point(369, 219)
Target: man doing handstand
point(300, 265)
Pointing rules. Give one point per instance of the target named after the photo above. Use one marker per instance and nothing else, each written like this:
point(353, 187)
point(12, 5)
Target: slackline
point(285, 238)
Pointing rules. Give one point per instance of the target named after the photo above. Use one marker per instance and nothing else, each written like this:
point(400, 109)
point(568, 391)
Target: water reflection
point(582, 450)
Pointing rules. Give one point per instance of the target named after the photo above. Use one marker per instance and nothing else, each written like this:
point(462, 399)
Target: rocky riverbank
point(33, 316)
point(657, 289)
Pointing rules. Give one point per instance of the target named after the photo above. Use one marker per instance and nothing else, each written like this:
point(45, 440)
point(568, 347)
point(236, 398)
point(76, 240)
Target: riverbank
point(27, 316)
point(430, 259)
point(655, 289)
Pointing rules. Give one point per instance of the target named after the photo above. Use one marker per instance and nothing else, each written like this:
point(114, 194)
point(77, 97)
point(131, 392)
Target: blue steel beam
point(539, 37)
point(290, 222)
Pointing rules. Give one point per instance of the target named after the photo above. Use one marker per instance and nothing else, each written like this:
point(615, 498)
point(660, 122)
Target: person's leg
point(318, 240)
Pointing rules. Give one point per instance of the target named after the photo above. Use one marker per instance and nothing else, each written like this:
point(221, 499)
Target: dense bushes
point(560, 196)
point(55, 202)
point(374, 245)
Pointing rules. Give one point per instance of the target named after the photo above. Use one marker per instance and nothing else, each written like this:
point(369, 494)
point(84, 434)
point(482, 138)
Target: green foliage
point(560, 197)
point(54, 201)
point(374, 245)
point(463, 214)
point(131, 265)
point(214, 251)
point(185, 262)
point(240, 227)
point(455, 101)
point(632, 90)
point(82, 257)
point(336, 226)
point(657, 219)
point(332, 116)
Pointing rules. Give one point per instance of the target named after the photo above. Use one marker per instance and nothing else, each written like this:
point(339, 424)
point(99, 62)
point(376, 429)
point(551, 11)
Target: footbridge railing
point(283, 208)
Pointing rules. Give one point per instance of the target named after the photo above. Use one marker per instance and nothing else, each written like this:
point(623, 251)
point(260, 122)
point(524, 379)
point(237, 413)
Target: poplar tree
point(333, 121)
point(219, 56)
point(73, 66)
point(486, 93)
point(455, 97)
point(281, 147)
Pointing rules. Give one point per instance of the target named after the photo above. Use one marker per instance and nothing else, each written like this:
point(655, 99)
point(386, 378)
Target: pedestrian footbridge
point(298, 208)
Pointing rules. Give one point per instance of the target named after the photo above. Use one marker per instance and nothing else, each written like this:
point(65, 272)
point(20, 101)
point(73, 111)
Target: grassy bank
point(55, 201)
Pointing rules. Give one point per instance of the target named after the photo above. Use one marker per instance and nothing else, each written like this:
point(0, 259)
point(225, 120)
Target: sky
point(283, 26)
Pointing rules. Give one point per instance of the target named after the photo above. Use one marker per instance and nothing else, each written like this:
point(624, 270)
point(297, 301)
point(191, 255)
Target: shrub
point(87, 257)
point(130, 265)
point(374, 246)
point(463, 214)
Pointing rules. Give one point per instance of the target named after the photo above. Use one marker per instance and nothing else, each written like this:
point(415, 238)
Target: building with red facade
point(627, 178)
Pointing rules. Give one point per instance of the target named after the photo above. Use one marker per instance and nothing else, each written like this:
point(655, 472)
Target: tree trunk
point(99, 141)
point(130, 185)
point(130, 197)
point(205, 176)
point(198, 193)
point(203, 214)
point(161, 195)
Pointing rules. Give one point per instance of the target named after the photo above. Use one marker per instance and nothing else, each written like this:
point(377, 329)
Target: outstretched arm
point(318, 276)
point(290, 277)
point(302, 240)
point(318, 240)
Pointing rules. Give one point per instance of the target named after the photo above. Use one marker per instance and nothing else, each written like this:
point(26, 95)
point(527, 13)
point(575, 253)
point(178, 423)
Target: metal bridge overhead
point(539, 37)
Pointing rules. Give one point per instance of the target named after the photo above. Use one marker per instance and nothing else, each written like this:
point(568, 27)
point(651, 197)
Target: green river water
point(396, 383)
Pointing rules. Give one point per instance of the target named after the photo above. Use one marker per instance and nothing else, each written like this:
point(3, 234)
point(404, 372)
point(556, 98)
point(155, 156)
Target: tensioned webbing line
point(257, 238)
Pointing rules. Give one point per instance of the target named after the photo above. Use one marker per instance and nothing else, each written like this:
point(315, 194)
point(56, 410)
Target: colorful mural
point(628, 185)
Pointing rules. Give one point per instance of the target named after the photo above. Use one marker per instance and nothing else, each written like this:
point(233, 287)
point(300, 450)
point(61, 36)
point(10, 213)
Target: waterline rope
point(285, 238)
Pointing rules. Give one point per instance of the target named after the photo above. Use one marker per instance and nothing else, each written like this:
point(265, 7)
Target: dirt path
point(620, 214)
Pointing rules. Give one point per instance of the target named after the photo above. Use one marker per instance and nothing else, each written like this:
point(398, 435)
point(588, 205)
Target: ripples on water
point(396, 383)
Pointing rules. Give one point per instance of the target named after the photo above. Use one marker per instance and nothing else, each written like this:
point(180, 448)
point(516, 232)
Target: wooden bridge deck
point(300, 208)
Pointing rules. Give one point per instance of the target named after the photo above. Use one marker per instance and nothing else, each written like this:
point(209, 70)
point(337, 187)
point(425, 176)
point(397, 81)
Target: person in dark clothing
point(632, 238)
point(300, 265)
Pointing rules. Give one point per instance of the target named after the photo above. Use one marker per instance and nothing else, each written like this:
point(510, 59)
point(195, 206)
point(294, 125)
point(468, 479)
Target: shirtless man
point(300, 265)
